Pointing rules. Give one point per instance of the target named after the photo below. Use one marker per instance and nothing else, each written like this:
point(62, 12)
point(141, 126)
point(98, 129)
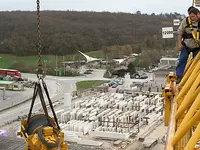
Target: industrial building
point(11, 85)
point(6, 84)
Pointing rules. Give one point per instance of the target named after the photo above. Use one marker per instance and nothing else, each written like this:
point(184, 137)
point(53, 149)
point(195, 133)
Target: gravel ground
point(7, 143)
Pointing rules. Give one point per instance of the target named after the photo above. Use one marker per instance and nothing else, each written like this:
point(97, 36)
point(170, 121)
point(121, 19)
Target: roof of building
point(73, 62)
point(168, 58)
point(6, 82)
point(121, 68)
point(8, 69)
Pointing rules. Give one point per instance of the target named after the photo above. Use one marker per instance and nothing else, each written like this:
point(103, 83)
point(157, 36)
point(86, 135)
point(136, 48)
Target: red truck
point(11, 73)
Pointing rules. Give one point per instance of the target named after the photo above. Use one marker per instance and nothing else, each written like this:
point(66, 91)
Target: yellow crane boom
point(182, 108)
point(42, 132)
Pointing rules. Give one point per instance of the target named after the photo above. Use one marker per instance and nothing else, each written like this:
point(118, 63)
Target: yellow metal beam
point(193, 140)
point(193, 108)
point(188, 84)
point(168, 97)
point(189, 62)
point(189, 98)
point(168, 94)
point(187, 124)
point(171, 128)
point(190, 69)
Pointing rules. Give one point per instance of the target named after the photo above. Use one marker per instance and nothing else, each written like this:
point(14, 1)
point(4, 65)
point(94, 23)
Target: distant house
point(167, 61)
point(166, 64)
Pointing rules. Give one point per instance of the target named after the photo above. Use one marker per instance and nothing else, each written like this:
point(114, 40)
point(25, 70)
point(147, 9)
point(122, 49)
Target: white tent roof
point(123, 59)
point(119, 60)
point(88, 58)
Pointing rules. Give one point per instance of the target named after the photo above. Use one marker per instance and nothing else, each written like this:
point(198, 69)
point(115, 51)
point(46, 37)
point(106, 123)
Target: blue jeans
point(183, 56)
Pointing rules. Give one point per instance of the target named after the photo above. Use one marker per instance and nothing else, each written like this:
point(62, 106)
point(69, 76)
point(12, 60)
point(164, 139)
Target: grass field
point(82, 85)
point(7, 60)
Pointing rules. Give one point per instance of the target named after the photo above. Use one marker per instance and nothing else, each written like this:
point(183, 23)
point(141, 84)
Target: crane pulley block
point(42, 132)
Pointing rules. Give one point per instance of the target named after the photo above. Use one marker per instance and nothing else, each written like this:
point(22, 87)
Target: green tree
point(131, 68)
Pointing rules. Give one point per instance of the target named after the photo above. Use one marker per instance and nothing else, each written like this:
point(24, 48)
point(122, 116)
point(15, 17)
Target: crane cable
point(40, 71)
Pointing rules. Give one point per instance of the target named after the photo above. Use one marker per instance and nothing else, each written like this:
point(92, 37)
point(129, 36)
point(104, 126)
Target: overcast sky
point(145, 6)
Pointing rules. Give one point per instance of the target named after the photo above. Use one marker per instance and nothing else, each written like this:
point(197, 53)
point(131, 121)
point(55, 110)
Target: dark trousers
point(183, 56)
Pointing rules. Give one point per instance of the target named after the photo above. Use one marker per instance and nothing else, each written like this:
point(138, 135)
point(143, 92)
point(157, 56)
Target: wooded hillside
point(65, 32)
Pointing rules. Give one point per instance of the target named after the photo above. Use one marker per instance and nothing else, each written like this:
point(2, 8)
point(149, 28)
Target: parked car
point(121, 82)
point(139, 75)
point(114, 85)
point(88, 72)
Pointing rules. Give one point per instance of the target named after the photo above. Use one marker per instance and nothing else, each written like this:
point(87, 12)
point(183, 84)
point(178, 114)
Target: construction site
point(108, 103)
point(103, 120)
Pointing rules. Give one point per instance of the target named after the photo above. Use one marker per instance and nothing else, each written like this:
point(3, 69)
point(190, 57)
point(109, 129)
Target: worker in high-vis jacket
point(188, 40)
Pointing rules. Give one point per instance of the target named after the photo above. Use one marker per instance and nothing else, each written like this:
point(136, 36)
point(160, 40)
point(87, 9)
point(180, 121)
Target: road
point(15, 97)
point(97, 74)
point(56, 91)
point(57, 86)
point(159, 132)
